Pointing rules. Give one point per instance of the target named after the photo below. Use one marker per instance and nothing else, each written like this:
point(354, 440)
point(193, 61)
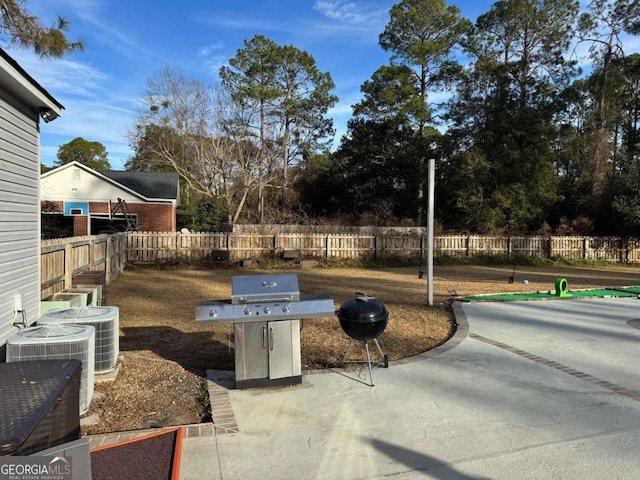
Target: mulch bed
point(152, 457)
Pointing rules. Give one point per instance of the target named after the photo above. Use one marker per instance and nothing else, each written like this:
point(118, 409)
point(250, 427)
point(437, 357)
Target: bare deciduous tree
point(199, 132)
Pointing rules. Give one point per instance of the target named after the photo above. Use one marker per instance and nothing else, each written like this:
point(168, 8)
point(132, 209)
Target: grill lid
point(264, 288)
point(363, 309)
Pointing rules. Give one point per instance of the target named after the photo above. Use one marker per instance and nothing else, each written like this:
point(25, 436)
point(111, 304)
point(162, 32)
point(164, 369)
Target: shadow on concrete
point(420, 462)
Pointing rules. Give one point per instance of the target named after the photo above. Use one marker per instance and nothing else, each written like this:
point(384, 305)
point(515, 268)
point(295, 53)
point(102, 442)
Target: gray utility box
point(266, 311)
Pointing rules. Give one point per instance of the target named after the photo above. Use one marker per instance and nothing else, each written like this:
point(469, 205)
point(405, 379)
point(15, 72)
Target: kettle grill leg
point(343, 358)
point(366, 347)
point(385, 357)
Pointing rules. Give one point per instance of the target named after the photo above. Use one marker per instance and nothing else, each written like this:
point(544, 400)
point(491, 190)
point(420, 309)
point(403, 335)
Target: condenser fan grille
point(80, 312)
point(51, 331)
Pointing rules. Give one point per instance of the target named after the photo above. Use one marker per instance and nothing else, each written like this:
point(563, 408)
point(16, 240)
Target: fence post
point(122, 257)
point(107, 266)
point(92, 253)
point(68, 265)
point(124, 252)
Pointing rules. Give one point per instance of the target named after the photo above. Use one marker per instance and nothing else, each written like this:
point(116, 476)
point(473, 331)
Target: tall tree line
point(525, 141)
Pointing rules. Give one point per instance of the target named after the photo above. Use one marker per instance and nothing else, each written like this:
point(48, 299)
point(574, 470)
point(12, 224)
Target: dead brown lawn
point(165, 353)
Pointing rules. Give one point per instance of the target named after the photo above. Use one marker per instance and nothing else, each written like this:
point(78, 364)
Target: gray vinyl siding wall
point(19, 213)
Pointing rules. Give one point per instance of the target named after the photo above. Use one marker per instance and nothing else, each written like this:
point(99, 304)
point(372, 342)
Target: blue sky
point(129, 41)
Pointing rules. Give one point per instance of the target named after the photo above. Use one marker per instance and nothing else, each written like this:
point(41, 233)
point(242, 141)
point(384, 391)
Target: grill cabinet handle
point(264, 337)
point(271, 342)
point(254, 300)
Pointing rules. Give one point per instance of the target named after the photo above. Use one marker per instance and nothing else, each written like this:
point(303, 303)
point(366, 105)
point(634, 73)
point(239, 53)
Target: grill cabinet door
point(284, 349)
point(251, 350)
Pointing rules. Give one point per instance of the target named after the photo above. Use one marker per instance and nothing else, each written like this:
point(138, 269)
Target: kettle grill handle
point(363, 296)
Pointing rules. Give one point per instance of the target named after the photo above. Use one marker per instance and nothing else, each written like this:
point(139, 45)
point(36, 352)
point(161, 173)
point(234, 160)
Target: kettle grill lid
point(363, 309)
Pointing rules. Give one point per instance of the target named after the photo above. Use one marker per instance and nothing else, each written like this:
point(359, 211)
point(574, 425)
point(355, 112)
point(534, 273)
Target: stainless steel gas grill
point(266, 311)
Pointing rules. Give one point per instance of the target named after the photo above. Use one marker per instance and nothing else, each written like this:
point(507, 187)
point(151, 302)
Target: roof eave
point(20, 84)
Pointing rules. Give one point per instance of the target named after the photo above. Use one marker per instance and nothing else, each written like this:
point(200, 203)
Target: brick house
point(91, 202)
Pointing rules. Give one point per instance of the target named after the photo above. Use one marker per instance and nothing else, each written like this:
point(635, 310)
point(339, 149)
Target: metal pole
point(432, 170)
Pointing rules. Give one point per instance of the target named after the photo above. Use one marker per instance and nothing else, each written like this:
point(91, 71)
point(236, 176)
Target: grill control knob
point(285, 309)
point(247, 311)
point(213, 313)
point(266, 310)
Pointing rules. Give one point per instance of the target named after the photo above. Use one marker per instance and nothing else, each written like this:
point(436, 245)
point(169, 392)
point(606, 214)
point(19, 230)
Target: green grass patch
point(533, 261)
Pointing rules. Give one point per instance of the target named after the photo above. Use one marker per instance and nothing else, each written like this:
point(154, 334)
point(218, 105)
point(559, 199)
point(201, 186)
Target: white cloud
point(213, 59)
point(96, 107)
point(240, 23)
point(61, 75)
point(209, 49)
point(341, 109)
point(96, 122)
point(351, 18)
point(90, 20)
point(348, 12)
point(214, 64)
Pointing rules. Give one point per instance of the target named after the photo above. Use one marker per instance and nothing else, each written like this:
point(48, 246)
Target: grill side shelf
point(211, 312)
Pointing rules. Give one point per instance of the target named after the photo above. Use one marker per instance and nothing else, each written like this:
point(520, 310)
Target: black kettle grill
point(363, 318)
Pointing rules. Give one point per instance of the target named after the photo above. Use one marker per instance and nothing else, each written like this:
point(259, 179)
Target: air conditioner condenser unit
point(105, 320)
point(85, 293)
point(97, 294)
point(58, 342)
point(60, 300)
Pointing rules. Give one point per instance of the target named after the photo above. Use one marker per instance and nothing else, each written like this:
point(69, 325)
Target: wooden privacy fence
point(150, 247)
point(62, 258)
